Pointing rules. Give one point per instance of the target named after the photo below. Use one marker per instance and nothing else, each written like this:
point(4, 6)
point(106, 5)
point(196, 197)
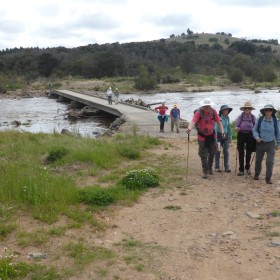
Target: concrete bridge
point(142, 117)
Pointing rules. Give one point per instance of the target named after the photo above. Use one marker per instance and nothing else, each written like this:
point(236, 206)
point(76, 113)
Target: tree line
point(151, 62)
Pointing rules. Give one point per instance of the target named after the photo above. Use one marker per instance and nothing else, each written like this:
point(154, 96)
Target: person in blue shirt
point(266, 132)
point(175, 117)
point(223, 143)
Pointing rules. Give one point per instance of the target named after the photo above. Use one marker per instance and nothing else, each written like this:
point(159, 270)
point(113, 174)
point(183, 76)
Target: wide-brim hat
point(206, 102)
point(268, 106)
point(247, 105)
point(225, 107)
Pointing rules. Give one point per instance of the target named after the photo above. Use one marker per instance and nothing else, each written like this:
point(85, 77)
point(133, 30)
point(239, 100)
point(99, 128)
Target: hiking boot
point(218, 169)
point(256, 177)
point(240, 173)
point(205, 176)
point(210, 172)
point(228, 170)
point(178, 131)
point(268, 181)
point(248, 171)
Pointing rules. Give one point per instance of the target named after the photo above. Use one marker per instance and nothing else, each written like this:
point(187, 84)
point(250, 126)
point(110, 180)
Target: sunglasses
point(247, 108)
point(268, 110)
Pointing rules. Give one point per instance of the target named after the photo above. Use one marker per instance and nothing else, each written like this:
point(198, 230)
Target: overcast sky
point(73, 23)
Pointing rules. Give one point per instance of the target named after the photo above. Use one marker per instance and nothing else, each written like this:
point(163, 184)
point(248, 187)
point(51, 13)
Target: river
point(42, 114)
point(46, 115)
point(188, 102)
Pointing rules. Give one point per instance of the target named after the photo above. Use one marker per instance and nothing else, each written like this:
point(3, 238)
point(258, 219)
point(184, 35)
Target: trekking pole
point(187, 171)
point(236, 159)
point(222, 167)
point(253, 157)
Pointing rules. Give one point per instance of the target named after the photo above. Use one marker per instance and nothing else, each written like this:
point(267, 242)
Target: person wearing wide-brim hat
point(204, 120)
point(247, 105)
point(267, 134)
point(245, 140)
point(175, 117)
point(223, 142)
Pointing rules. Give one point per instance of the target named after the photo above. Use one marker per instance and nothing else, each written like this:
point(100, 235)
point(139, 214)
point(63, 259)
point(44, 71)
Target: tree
point(144, 81)
point(46, 64)
point(189, 32)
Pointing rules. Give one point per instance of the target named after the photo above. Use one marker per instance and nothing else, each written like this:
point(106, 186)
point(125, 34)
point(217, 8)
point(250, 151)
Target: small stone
point(253, 215)
point(225, 233)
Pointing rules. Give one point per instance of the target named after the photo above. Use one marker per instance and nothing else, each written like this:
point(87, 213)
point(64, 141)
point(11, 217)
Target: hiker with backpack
point(204, 120)
point(223, 143)
point(245, 139)
point(266, 133)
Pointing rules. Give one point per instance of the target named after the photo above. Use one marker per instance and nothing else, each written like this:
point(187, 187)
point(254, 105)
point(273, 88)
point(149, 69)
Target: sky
point(74, 23)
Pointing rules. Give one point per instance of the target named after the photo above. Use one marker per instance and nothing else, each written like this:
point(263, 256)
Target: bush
point(140, 179)
point(57, 154)
point(236, 75)
point(97, 196)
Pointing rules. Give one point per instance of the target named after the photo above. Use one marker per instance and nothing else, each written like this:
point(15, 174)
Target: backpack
point(274, 122)
point(202, 116)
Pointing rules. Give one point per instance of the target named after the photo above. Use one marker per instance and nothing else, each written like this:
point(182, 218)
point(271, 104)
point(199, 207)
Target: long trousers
point(206, 155)
point(224, 147)
point(174, 121)
point(269, 149)
point(245, 141)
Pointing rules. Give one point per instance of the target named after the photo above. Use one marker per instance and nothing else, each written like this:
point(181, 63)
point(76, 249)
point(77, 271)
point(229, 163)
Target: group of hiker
point(163, 116)
point(254, 135)
point(110, 94)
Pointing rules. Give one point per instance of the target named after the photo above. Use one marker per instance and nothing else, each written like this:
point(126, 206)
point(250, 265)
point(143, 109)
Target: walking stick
point(252, 159)
point(188, 152)
point(236, 159)
point(222, 167)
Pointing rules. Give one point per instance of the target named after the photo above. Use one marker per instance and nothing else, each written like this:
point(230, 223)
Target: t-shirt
point(175, 112)
point(245, 122)
point(206, 122)
point(162, 109)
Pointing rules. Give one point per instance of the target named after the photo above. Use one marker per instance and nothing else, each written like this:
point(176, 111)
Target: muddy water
point(47, 116)
point(188, 102)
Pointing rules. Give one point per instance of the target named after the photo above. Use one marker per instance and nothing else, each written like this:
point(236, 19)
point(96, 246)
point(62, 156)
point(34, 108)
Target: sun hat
point(206, 102)
point(268, 106)
point(225, 107)
point(247, 105)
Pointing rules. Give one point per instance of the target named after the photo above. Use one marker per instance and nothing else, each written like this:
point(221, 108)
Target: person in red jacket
point(162, 116)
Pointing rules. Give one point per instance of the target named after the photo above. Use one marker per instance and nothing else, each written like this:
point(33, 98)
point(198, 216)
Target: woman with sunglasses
point(266, 133)
point(245, 139)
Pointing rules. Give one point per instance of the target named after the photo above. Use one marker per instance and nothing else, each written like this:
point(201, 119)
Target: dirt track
point(210, 232)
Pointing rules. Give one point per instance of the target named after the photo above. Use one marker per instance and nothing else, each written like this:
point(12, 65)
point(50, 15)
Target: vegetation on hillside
point(149, 63)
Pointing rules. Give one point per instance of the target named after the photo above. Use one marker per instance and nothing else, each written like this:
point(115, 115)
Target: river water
point(47, 115)
point(188, 102)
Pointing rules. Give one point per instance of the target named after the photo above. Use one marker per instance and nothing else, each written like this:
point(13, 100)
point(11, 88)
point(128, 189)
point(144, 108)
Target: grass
point(40, 182)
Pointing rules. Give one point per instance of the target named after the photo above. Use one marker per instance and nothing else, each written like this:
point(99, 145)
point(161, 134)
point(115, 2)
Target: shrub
point(57, 154)
point(140, 179)
point(97, 196)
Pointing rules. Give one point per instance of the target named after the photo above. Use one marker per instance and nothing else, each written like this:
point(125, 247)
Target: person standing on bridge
point(116, 95)
point(162, 117)
point(109, 95)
